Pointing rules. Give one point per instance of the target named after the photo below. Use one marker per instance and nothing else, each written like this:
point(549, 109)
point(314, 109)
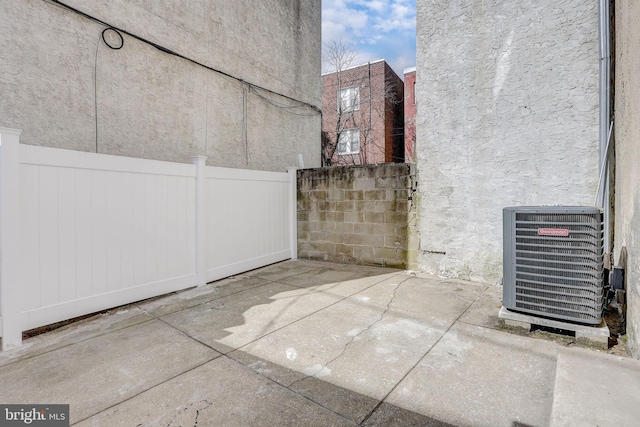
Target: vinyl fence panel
point(247, 222)
point(83, 232)
point(97, 231)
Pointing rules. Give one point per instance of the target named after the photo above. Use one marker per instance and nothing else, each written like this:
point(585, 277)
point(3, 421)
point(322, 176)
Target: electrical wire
point(245, 131)
point(95, 70)
point(117, 33)
point(120, 31)
point(95, 91)
point(286, 107)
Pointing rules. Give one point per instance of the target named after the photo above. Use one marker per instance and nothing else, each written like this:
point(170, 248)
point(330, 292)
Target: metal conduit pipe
point(604, 31)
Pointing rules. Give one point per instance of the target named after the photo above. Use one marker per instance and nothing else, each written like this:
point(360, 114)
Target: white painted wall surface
point(507, 99)
point(627, 154)
point(61, 84)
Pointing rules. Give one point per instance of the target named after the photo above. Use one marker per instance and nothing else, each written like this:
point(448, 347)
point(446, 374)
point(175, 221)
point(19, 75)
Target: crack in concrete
point(353, 338)
point(226, 355)
point(365, 419)
point(184, 412)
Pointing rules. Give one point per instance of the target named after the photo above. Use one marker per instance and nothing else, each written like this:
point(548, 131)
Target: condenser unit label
point(558, 232)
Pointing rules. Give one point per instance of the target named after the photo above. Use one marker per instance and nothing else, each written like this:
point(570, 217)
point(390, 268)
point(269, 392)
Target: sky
point(376, 29)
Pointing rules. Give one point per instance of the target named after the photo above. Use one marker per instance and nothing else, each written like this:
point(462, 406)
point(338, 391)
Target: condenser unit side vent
point(553, 262)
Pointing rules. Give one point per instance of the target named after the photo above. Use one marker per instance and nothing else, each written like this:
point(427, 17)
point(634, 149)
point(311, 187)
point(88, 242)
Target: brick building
point(410, 115)
point(362, 115)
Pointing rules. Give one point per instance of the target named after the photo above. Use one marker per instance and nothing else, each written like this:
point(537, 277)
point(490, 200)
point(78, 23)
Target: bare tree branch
point(361, 114)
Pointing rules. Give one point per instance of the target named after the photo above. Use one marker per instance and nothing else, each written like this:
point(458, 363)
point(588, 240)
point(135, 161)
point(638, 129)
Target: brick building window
point(349, 99)
point(349, 142)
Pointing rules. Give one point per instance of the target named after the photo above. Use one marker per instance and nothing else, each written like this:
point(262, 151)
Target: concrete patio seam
point(364, 420)
point(180, 331)
point(401, 351)
point(148, 389)
point(226, 356)
point(286, 277)
point(308, 315)
point(136, 304)
point(344, 348)
point(220, 354)
point(204, 301)
point(79, 341)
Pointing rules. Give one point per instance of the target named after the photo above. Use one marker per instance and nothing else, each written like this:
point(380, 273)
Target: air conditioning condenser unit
point(553, 262)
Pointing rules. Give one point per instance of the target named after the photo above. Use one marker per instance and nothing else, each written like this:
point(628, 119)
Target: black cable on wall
point(252, 86)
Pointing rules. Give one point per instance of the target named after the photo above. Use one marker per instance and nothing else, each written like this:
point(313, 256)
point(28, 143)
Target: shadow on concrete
point(358, 408)
point(222, 312)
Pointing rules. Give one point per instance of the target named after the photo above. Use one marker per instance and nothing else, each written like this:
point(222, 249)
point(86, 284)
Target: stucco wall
point(507, 99)
point(627, 152)
point(56, 75)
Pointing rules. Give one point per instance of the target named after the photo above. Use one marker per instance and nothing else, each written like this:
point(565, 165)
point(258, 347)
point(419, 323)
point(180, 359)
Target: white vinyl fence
point(82, 232)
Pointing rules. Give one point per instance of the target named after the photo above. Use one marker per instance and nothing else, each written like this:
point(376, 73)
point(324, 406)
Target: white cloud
point(402, 17)
point(375, 5)
point(351, 22)
point(376, 28)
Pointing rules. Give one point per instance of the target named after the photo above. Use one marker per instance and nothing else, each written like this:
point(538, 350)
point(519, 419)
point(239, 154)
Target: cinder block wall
point(359, 215)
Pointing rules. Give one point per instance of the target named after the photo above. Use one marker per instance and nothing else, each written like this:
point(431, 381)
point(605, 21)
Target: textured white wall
point(55, 73)
point(627, 149)
point(507, 97)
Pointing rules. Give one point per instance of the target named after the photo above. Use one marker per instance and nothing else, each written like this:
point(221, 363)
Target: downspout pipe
point(604, 30)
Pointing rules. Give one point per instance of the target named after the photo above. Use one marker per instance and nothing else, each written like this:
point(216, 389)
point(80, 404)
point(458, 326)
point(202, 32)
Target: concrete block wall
point(358, 215)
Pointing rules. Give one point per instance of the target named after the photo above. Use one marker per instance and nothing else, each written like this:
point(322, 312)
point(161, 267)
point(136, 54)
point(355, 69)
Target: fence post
point(10, 265)
point(293, 210)
point(201, 238)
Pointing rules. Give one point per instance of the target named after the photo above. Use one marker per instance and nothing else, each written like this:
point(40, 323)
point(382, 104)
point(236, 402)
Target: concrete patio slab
point(343, 401)
point(476, 376)
point(387, 415)
point(279, 271)
point(219, 393)
point(97, 373)
point(290, 306)
point(325, 276)
point(593, 389)
point(386, 351)
point(341, 344)
point(199, 295)
point(336, 345)
point(425, 299)
point(344, 288)
point(212, 322)
point(100, 324)
point(484, 311)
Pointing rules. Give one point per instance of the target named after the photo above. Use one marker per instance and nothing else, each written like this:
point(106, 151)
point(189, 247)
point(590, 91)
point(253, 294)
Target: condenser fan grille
point(553, 262)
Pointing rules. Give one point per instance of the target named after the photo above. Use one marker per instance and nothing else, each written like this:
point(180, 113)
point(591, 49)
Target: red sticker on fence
point(558, 232)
